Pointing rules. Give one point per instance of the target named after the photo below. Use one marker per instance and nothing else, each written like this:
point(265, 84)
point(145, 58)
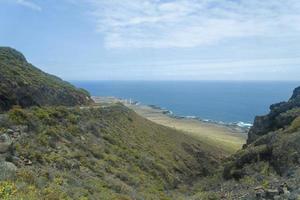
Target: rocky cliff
point(271, 158)
point(280, 116)
point(25, 85)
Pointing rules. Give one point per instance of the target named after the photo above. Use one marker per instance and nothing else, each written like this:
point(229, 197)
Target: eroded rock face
point(274, 140)
point(280, 116)
point(296, 93)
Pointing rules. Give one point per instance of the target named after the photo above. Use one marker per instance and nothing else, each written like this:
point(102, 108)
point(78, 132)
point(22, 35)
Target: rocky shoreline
point(227, 137)
point(243, 127)
point(235, 126)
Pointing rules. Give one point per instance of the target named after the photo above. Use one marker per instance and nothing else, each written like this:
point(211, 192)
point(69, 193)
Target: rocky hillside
point(96, 153)
point(268, 166)
point(281, 115)
point(271, 158)
point(109, 152)
point(23, 84)
point(53, 151)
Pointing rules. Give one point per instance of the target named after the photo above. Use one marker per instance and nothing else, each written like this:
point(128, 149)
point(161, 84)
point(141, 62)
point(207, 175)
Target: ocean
point(218, 101)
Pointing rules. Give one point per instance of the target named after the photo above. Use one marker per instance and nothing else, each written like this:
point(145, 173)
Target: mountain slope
point(275, 138)
point(271, 157)
point(109, 152)
point(281, 115)
point(88, 152)
point(98, 153)
point(23, 84)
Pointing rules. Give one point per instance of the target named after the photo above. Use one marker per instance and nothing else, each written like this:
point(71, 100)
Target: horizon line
point(179, 80)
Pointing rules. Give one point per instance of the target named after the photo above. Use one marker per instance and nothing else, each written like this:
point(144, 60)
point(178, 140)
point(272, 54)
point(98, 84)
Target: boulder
point(5, 142)
point(20, 128)
point(259, 193)
point(7, 170)
point(10, 131)
point(270, 193)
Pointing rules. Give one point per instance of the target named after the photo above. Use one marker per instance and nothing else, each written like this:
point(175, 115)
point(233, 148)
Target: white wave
point(191, 117)
point(243, 124)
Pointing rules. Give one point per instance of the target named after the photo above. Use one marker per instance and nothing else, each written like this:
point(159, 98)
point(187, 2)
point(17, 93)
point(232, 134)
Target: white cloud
point(192, 23)
point(211, 69)
point(29, 4)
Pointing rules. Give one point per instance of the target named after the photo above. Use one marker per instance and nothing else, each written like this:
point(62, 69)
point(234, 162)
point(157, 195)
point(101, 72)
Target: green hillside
point(23, 84)
point(96, 153)
point(52, 149)
point(268, 167)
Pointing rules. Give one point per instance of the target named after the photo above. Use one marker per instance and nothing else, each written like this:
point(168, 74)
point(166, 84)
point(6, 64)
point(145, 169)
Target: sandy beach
point(228, 138)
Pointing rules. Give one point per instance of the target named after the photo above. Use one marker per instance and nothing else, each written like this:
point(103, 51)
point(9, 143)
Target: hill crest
point(23, 84)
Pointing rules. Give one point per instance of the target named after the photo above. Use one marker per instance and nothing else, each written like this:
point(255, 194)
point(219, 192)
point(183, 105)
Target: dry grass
point(221, 137)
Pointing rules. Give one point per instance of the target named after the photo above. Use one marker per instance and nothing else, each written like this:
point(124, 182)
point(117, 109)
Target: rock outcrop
point(274, 140)
point(296, 93)
point(8, 170)
point(5, 142)
point(280, 116)
point(25, 85)
point(268, 167)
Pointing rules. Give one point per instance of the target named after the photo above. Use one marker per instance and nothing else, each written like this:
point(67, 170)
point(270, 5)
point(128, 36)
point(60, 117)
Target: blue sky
point(156, 39)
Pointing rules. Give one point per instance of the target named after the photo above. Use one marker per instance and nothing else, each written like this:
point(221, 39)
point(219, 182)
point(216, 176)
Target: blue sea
point(220, 101)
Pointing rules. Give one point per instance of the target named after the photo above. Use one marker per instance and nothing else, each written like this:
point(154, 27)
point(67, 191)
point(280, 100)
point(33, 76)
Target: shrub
point(18, 116)
point(206, 196)
point(295, 125)
point(26, 176)
point(7, 190)
point(55, 193)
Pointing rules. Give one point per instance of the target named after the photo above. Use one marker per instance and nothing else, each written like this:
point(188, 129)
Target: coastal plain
point(227, 139)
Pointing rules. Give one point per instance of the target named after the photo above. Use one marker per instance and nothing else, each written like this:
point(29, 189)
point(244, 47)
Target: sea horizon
point(222, 101)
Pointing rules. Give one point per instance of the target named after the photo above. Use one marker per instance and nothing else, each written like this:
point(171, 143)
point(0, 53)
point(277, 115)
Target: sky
point(156, 39)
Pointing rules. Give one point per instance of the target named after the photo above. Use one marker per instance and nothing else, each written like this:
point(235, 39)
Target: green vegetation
point(108, 152)
point(50, 151)
point(53, 149)
point(23, 84)
point(295, 125)
point(223, 139)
